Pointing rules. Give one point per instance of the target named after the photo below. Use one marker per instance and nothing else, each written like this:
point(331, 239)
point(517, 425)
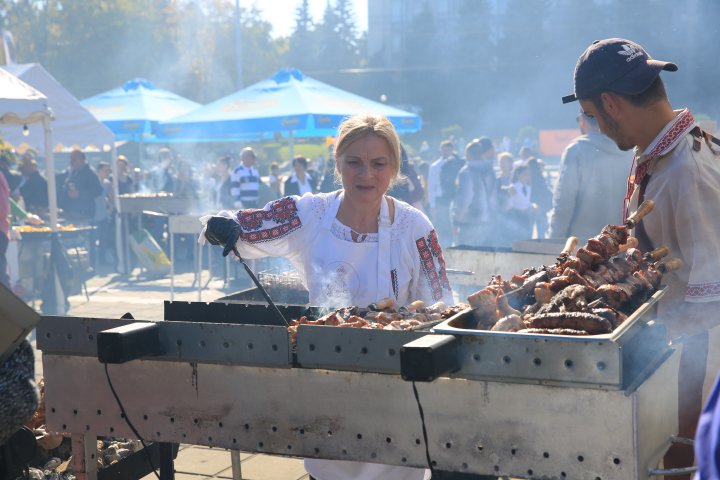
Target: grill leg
point(236, 466)
point(167, 466)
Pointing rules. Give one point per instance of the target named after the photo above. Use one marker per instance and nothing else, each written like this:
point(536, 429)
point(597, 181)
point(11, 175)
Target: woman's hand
point(223, 231)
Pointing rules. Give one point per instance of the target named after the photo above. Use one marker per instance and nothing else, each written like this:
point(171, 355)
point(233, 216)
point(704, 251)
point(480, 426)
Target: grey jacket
point(590, 191)
point(474, 200)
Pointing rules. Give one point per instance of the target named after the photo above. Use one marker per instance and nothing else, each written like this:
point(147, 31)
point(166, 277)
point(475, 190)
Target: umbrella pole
point(119, 254)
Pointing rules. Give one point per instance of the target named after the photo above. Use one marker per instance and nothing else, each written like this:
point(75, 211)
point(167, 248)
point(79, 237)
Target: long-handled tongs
point(264, 292)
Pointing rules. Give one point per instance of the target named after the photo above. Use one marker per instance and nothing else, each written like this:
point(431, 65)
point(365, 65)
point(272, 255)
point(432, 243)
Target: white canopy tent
point(20, 105)
point(73, 126)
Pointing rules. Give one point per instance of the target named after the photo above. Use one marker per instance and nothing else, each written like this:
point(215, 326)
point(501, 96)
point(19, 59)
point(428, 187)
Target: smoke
point(333, 287)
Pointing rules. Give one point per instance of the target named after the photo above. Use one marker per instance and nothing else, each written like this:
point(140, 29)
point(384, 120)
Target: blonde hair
point(360, 126)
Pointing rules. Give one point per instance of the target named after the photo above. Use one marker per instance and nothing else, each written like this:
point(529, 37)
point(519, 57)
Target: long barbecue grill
point(526, 406)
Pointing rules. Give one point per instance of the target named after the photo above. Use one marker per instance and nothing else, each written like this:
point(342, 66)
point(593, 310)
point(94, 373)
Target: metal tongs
point(264, 292)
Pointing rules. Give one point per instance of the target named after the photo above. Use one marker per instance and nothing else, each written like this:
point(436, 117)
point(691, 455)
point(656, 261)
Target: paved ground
point(112, 295)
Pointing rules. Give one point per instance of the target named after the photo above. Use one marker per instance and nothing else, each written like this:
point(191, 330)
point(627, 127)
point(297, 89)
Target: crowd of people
point(358, 244)
point(477, 197)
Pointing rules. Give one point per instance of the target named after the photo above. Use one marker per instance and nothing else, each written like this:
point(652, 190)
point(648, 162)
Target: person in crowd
point(409, 189)
point(505, 168)
point(126, 182)
point(245, 180)
point(541, 195)
point(79, 190)
point(524, 154)
point(441, 189)
point(223, 195)
point(353, 246)
point(300, 182)
point(274, 179)
point(592, 175)
point(520, 207)
point(163, 177)
point(8, 163)
point(619, 84)
point(474, 205)
point(34, 189)
point(186, 186)
point(103, 220)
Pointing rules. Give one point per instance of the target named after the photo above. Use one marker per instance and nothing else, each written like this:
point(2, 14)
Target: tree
point(302, 43)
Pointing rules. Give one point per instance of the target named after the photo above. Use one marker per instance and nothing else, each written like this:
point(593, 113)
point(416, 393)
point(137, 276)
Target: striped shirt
point(244, 186)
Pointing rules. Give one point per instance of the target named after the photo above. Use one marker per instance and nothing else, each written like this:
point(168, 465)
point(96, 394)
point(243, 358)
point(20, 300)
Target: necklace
point(359, 237)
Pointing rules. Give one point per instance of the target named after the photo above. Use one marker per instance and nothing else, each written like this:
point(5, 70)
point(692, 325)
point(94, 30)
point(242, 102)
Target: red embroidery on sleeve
point(429, 249)
point(283, 213)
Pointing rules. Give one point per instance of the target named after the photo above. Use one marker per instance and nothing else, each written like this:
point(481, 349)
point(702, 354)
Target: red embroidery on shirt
point(437, 278)
point(437, 252)
point(283, 212)
point(640, 172)
point(701, 290)
point(394, 282)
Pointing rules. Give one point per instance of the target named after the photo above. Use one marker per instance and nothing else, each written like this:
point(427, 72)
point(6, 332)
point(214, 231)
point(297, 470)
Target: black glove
point(223, 231)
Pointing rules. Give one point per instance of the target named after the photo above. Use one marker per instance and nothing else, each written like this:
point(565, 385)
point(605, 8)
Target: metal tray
point(317, 346)
point(352, 349)
point(614, 360)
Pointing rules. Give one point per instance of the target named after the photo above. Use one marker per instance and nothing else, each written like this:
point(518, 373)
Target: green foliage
point(186, 46)
point(324, 48)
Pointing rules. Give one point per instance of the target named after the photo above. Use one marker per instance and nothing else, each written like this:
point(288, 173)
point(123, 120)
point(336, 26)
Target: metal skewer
point(276, 310)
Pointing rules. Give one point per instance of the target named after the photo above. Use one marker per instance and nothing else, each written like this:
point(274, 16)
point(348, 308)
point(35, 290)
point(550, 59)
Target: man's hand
point(223, 231)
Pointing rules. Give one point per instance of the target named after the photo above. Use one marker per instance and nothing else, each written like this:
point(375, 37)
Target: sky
point(281, 13)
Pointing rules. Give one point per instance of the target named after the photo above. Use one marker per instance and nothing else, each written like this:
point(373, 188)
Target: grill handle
point(674, 472)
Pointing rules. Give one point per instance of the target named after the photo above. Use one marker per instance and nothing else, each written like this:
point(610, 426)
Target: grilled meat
point(509, 323)
point(618, 232)
point(554, 331)
point(589, 257)
point(591, 323)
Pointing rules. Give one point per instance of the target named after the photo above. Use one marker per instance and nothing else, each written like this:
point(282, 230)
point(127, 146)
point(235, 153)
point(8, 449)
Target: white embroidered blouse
point(290, 227)
point(685, 185)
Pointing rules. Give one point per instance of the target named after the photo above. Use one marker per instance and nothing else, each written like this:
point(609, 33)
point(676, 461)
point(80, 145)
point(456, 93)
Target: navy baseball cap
point(617, 65)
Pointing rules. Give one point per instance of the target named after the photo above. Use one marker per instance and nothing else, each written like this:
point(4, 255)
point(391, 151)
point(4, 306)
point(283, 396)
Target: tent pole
point(50, 174)
point(291, 145)
point(52, 206)
point(119, 254)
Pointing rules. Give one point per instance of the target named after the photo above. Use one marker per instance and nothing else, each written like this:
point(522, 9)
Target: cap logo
point(630, 51)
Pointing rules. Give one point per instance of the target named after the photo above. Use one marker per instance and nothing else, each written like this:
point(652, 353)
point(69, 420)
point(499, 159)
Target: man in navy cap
point(619, 84)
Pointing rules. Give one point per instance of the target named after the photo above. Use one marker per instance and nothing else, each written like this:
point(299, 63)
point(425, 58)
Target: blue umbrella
point(288, 102)
point(134, 110)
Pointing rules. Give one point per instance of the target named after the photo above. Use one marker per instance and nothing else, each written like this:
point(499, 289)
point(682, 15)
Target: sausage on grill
point(554, 331)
